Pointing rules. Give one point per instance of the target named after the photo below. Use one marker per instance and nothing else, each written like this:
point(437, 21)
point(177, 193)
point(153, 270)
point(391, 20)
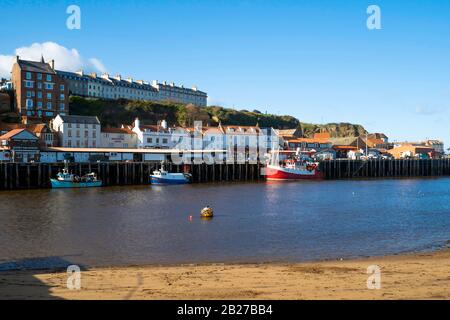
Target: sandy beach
point(414, 276)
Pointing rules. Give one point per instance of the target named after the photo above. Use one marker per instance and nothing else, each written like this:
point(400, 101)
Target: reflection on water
point(253, 222)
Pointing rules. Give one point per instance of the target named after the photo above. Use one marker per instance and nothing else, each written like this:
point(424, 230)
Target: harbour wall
point(37, 175)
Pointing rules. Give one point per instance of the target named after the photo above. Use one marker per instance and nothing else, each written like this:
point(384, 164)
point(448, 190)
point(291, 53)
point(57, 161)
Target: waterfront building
point(118, 138)
point(39, 92)
point(343, 145)
point(152, 136)
point(242, 142)
point(20, 145)
point(320, 142)
point(47, 138)
point(413, 151)
point(437, 145)
point(273, 140)
point(77, 131)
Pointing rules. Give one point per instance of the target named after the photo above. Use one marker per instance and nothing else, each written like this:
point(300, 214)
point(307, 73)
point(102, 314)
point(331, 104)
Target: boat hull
point(68, 184)
point(275, 173)
point(162, 181)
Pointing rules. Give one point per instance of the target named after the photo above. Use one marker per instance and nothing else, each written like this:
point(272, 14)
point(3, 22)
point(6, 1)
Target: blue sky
point(315, 60)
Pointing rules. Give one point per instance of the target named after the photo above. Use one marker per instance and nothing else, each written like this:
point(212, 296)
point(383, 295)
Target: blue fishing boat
point(162, 177)
point(65, 179)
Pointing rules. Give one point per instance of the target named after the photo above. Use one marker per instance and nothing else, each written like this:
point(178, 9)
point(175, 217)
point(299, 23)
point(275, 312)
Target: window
point(39, 76)
point(78, 143)
point(29, 103)
point(149, 140)
point(49, 77)
point(49, 105)
point(48, 86)
point(94, 134)
point(62, 106)
point(164, 141)
point(39, 94)
point(29, 84)
point(94, 144)
point(69, 133)
point(69, 143)
point(39, 85)
point(61, 87)
point(62, 97)
point(69, 125)
point(28, 94)
point(28, 75)
point(78, 133)
point(86, 134)
point(49, 114)
point(39, 104)
point(49, 96)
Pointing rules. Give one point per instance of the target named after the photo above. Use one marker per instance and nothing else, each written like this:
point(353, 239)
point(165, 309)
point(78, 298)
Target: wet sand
point(414, 276)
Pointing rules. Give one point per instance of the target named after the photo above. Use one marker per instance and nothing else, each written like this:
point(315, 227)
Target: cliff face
point(6, 112)
point(336, 130)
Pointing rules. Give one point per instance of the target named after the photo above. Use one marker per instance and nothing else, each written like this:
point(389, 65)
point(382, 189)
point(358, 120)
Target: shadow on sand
point(19, 279)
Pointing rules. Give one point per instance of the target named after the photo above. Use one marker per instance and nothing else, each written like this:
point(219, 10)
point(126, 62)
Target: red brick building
point(39, 92)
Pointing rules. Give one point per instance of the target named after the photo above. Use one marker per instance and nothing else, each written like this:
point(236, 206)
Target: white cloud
point(65, 59)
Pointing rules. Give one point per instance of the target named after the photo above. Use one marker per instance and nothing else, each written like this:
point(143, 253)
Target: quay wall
point(351, 169)
point(37, 175)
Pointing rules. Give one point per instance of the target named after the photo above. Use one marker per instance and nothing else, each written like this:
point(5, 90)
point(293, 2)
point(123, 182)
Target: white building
point(152, 136)
point(77, 131)
point(123, 138)
point(171, 92)
point(106, 87)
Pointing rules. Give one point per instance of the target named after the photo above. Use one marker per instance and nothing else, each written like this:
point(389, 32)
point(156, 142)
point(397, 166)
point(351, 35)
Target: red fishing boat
point(292, 166)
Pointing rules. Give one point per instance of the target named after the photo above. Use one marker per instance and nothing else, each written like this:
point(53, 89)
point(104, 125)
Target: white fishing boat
point(163, 177)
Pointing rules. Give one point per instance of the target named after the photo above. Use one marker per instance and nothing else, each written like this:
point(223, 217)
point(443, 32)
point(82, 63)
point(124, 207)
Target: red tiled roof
point(308, 140)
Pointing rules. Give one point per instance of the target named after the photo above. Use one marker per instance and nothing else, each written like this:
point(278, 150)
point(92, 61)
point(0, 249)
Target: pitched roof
point(375, 142)
point(34, 127)
point(80, 119)
point(241, 129)
point(13, 133)
point(309, 140)
point(322, 135)
point(348, 141)
point(34, 66)
point(118, 130)
point(152, 128)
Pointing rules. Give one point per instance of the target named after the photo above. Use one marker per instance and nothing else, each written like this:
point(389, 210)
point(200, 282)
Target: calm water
point(253, 223)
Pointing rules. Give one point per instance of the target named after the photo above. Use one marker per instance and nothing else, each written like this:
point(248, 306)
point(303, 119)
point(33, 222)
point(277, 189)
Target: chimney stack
point(52, 64)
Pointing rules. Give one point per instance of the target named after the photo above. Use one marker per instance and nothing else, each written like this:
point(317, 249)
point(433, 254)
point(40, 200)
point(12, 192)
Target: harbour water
point(254, 222)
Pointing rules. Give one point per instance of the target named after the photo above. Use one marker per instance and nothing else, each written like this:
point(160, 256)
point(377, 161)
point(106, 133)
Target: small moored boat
point(65, 179)
point(163, 177)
